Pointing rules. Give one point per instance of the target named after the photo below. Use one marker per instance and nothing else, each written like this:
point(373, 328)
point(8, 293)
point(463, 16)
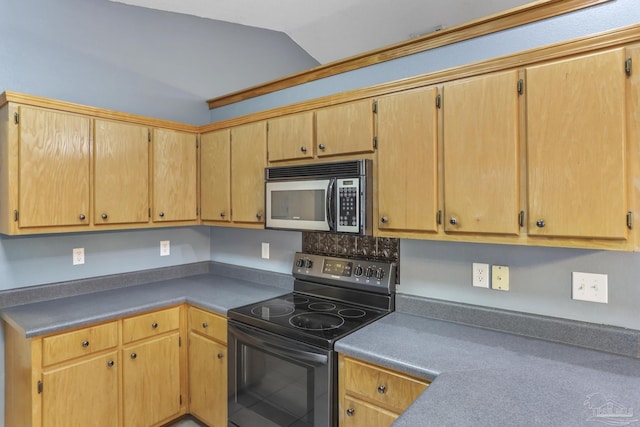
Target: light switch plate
point(590, 287)
point(500, 277)
point(265, 250)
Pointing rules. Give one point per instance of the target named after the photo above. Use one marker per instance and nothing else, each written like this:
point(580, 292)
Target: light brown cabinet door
point(481, 155)
point(576, 142)
point(345, 129)
point(408, 161)
point(248, 160)
point(54, 166)
point(215, 176)
point(151, 378)
point(291, 137)
point(174, 176)
point(121, 173)
point(208, 380)
point(82, 394)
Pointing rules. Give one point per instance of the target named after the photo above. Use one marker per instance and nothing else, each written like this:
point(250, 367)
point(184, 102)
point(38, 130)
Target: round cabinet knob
point(205, 325)
point(220, 355)
point(222, 214)
point(110, 363)
point(382, 389)
point(259, 215)
point(85, 344)
point(384, 220)
point(350, 412)
point(161, 214)
point(540, 223)
point(82, 217)
point(453, 221)
point(133, 355)
point(303, 149)
point(321, 146)
point(104, 216)
point(154, 325)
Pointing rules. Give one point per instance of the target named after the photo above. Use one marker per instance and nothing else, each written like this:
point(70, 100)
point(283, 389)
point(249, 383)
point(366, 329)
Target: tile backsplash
point(349, 246)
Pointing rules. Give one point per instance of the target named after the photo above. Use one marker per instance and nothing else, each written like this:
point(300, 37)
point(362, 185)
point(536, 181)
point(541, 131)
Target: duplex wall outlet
point(590, 287)
point(500, 277)
point(165, 247)
point(78, 256)
point(265, 250)
point(480, 275)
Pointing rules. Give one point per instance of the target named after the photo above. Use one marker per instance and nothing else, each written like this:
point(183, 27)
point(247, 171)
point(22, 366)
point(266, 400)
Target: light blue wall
point(540, 277)
point(615, 14)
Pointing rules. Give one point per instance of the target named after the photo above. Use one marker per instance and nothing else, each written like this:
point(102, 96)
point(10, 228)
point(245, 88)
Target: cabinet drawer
point(388, 389)
point(151, 324)
point(209, 324)
point(68, 345)
point(360, 414)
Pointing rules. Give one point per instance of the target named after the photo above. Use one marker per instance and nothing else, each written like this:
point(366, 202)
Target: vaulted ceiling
point(330, 30)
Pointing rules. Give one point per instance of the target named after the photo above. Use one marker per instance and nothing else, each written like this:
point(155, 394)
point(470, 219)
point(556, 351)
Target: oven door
point(276, 381)
point(300, 204)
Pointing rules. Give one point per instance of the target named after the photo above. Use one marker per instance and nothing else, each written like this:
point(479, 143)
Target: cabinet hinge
point(148, 136)
point(520, 87)
point(267, 127)
point(179, 341)
point(149, 212)
point(630, 220)
point(180, 400)
point(16, 215)
point(16, 118)
point(439, 217)
point(40, 387)
point(375, 107)
point(375, 142)
point(197, 211)
point(521, 219)
point(197, 143)
point(438, 101)
point(627, 66)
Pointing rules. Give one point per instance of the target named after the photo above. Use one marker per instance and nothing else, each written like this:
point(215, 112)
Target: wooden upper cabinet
point(345, 129)
point(54, 168)
point(121, 173)
point(248, 160)
point(481, 154)
point(215, 176)
point(291, 137)
point(576, 144)
point(408, 161)
point(174, 176)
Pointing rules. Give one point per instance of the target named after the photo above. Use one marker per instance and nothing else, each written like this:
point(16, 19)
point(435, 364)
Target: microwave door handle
point(330, 205)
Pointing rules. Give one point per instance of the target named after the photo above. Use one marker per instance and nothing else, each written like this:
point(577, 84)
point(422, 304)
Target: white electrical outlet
point(165, 247)
point(265, 250)
point(590, 287)
point(78, 256)
point(500, 277)
point(480, 275)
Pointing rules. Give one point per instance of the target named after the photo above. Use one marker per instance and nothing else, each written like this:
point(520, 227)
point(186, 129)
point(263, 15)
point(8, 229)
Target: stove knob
point(368, 272)
point(300, 262)
point(308, 263)
point(359, 270)
point(379, 274)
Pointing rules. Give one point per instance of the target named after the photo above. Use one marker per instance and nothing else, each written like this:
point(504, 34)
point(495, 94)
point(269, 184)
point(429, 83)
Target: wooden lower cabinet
point(373, 396)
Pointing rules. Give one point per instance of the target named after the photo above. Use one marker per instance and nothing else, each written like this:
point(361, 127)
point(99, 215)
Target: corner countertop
point(209, 291)
point(488, 378)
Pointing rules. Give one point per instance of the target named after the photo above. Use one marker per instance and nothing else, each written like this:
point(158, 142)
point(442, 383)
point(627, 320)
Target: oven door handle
point(280, 346)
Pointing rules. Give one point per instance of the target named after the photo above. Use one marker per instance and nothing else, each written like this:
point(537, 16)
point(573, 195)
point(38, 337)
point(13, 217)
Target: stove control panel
point(373, 275)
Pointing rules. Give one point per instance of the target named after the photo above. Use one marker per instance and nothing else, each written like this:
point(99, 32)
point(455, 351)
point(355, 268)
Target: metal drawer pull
point(154, 325)
point(321, 146)
point(350, 412)
point(205, 325)
point(110, 363)
point(104, 216)
point(384, 220)
point(540, 223)
point(85, 344)
point(453, 221)
point(303, 149)
point(161, 214)
point(382, 389)
point(220, 355)
point(133, 355)
point(82, 217)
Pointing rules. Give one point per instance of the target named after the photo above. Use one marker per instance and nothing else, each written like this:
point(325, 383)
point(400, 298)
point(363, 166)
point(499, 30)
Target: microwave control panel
point(348, 204)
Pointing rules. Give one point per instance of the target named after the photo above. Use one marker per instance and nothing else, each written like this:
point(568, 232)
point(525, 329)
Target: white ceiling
point(334, 29)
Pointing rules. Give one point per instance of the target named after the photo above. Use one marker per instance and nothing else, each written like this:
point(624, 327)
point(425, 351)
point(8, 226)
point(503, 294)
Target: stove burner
point(322, 306)
point(316, 321)
point(272, 309)
point(296, 299)
point(352, 313)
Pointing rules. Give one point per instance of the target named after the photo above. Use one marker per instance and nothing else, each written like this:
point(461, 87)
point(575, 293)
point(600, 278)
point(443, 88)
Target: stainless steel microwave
point(333, 197)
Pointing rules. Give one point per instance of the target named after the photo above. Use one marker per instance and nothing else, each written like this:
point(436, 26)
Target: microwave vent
point(347, 169)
